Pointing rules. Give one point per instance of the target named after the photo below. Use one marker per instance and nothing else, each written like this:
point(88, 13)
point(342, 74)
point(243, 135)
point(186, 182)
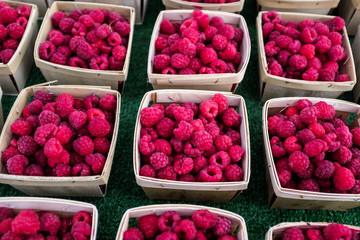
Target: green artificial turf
point(123, 192)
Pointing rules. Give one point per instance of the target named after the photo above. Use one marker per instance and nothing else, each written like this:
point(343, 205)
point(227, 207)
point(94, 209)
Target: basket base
point(190, 195)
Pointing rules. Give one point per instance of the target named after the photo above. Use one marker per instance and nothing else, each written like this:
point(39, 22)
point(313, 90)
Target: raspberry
point(277, 147)
point(229, 53)
point(282, 58)
point(284, 176)
point(307, 50)
point(233, 173)
point(49, 222)
point(315, 147)
point(343, 179)
point(123, 28)
point(231, 118)
point(149, 116)
point(46, 50)
point(132, 234)
point(101, 145)
point(21, 127)
point(5, 225)
point(97, 15)
point(298, 161)
point(336, 231)
point(148, 225)
point(99, 127)
point(183, 166)
point(267, 29)
point(168, 70)
point(285, 129)
point(24, 11)
point(210, 173)
point(227, 30)
point(167, 173)
point(314, 234)
point(324, 170)
point(344, 136)
point(342, 78)
point(308, 172)
point(337, 24)
point(343, 155)
point(297, 61)
point(159, 160)
point(64, 134)
point(77, 119)
point(161, 43)
point(271, 49)
point(207, 55)
point(283, 41)
point(326, 111)
point(355, 189)
point(335, 38)
point(334, 66)
point(58, 58)
point(25, 223)
point(47, 116)
point(191, 34)
point(8, 15)
point(204, 219)
point(161, 145)
point(220, 159)
point(199, 163)
point(226, 237)
point(218, 66)
point(310, 74)
point(161, 61)
point(236, 152)
point(203, 140)
point(291, 144)
point(223, 143)
point(77, 62)
point(309, 115)
point(293, 234)
point(186, 47)
point(81, 230)
point(146, 147)
point(81, 169)
point(222, 226)
point(66, 24)
point(275, 69)
point(9, 153)
point(314, 63)
point(96, 161)
point(84, 51)
point(272, 124)
point(147, 171)
point(44, 133)
point(83, 145)
point(336, 53)
point(309, 184)
point(53, 148)
point(192, 106)
point(166, 27)
point(184, 131)
point(271, 16)
point(338, 122)
point(27, 145)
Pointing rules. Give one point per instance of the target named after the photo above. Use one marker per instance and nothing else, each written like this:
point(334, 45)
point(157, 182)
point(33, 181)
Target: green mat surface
point(123, 192)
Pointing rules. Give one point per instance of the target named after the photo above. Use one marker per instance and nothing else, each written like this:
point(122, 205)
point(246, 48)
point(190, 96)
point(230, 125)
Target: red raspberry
point(309, 115)
point(326, 111)
point(298, 161)
point(204, 219)
point(167, 173)
point(277, 147)
point(56, 17)
point(146, 147)
point(342, 78)
point(161, 43)
point(314, 63)
point(161, 145)
point(355, 190)
point(336, 24)
point(309, 184)
point(343, 155)
point(81, 169)
point(210, 173)
point(267, 28)
point(336, 53)
point(207, 55)
point(25, 223)
point(99, 127)
point(8, 15)
point(64, 134)
point(314, 234)
point(307, 50)
point(47, 116)
point(220, 159)
point(148, 225)
point(317, 129)
point(97, 15)
point(231, 118)
point(96, 161)
point(344, 136)
point(303, 103)
point(272, 124)
point(285, 129)
point(56, 37)
point(202, 19)
point(219, 42)
point(354, 166)
point(66, 24)
point(227, 30)
point(293, 234)
point(53, 148)
point(284, 176)
point(149, 116)
point(282, 58)
point(291, 144)
point(218, 66)
point(343, 179)
point(83, 145)
point(101, 145)
point(189, 23)
point(191, 151)
point(27, 145)
point(315, 147)
point(184, 131)
point(324, 170)
point(161, 61)
point(336, 231)
point(147, 171)
point(77, 119)
point(210, 32)
point(104, 31)
point(229, 53)
point(283, 41)
point(16, 164)
point(21, 127)
point(183, 114)
point(108, 102)
point(159, 160)
point(271, 16)
point(310, 74)
point(199, 163)
point(84, 51)
point(166, 27)
point(298, 61)
point(197, 125)
point(179, 61)
point(183, 166)
point(233, 173)
point(46, 50)
point(223, 143)
point(35, 107)
point(191, 34)
point(132, 234)
point(335, 38)
point(202, 140)
point(308, 172)
point(236, 152)
point(123, 28)
point(5, 226)
point(222, 226)
point(45, 132)
point(58, 58)
point(49, 222)
point(75, 42)
point(308, 35)
point(333, 66)
point(356, 135)
point(9, 153)
point(271, 49)
point(81, 230)
point(186, 47)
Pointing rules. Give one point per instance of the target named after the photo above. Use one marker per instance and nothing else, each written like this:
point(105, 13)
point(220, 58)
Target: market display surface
point(123, 192)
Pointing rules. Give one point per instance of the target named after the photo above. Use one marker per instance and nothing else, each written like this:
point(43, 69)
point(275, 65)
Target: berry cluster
point(314, 150)
point(203, 224)
point(94, 39)
point(32, 225)
point(309, 50)
point(212, 1)
point(333, 231)
point(191, 143)
point(61, 137)
point(199, 45)
point(13, 22)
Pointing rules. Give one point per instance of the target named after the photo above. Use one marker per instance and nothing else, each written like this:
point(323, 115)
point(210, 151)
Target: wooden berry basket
point(234, 7)
point(42, 5)
point(91, 186)
point(81, 76)
point(350, 11)
point(192, 191)
point(14, 74)
point(272, 86)
point(61, 207)
point(238, 223)
point(355, 51)
point(286, 198)
point(302, 6)
point(217, 82)
point(139, 6)
point(276, 231)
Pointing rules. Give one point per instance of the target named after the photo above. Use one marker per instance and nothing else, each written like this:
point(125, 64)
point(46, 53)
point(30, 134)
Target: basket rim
point(193, 4)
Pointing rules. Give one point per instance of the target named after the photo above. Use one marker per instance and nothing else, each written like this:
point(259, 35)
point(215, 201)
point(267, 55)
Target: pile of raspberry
point(202, 224)
point(95, 39)
point(13, 22)
point(41, 225)
point(61, 137)
point(212, 1)
point(315, 151)
point(199, 45)
point(309, 50)
point(191, 143)
point(333, 231)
